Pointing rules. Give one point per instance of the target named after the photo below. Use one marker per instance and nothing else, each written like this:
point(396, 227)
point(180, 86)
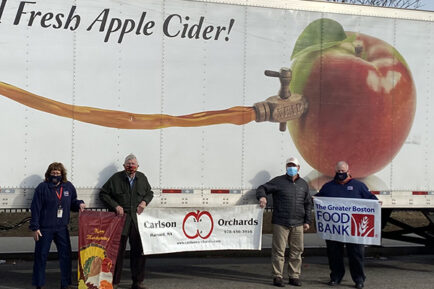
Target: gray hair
point(130, 157)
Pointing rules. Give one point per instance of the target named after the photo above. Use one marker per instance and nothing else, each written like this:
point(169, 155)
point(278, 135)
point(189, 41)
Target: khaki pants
point(293, 236)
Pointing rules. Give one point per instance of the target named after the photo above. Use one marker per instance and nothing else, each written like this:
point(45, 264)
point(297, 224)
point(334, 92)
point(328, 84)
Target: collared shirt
point(131, 180)
point(351, 189)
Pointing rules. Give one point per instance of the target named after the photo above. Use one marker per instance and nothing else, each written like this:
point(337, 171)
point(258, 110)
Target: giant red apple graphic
point(361, 99)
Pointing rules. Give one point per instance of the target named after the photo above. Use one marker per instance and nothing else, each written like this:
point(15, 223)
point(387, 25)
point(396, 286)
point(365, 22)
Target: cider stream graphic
point(279, 108)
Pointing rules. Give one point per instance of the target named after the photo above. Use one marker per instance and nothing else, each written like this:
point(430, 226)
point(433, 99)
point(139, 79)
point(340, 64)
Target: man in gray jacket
point(292, 207)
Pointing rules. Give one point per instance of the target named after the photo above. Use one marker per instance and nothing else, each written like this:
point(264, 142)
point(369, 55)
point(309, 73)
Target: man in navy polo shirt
point(343, 186)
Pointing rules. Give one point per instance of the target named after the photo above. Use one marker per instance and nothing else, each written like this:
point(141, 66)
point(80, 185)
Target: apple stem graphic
point(279, 108)
point(358, 50)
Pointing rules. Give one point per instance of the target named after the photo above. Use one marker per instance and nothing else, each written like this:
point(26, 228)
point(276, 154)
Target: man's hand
point(119, 211)
point(141, 207)
point(82, 207)
point(36, 234)
point(263, 202)
point(306, 227)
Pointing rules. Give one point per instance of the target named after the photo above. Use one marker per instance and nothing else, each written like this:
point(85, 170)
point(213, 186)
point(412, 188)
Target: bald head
point(341, 167)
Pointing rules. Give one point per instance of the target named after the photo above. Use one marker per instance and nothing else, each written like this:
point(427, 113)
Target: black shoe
point(359, 285)
point(138, 286)
point(294, 282)
point(332, 283)
point(278, 281)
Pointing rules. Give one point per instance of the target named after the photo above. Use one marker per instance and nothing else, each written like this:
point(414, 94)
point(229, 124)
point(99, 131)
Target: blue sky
point(427, 5)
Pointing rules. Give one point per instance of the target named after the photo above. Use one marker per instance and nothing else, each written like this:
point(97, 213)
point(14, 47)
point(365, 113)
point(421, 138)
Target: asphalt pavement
point(397, 272)
point(314, 245)
point(392, 265)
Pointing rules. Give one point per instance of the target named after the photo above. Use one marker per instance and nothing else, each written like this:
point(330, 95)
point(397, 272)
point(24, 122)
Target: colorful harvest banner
point(98, 243)
point(348, 220)
point(166, 230)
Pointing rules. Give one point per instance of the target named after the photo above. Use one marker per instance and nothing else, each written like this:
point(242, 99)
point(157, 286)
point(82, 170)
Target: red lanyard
point(59, 196)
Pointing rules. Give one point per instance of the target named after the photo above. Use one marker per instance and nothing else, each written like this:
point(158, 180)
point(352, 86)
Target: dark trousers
point(42, 248)
point(137, 259)
point(335, 254)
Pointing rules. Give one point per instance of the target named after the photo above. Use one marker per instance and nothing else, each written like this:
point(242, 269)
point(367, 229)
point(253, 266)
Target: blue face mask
point(292, 171)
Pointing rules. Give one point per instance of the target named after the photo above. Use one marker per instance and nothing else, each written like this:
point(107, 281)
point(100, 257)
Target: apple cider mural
point(349, 96)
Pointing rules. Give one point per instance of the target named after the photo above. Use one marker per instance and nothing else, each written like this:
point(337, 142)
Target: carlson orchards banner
point(166, 230)
point(348, 220)
point(98, 243)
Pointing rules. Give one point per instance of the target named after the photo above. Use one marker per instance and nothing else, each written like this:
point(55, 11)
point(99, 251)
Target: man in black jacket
point(292, 212)
point(128, 192)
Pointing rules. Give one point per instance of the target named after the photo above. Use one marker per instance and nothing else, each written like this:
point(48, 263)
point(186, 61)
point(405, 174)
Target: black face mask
point(341, 176)
point(54, 179)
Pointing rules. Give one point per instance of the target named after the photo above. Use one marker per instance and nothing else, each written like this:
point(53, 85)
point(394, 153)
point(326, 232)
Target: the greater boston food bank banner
point(166, 230)
point(348, 220)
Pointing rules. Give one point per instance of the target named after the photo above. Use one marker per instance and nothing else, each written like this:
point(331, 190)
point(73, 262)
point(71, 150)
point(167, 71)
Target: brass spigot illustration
point(284, 106)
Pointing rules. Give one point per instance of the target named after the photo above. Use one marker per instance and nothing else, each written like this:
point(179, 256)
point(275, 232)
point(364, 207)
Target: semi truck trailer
point(213, 96)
